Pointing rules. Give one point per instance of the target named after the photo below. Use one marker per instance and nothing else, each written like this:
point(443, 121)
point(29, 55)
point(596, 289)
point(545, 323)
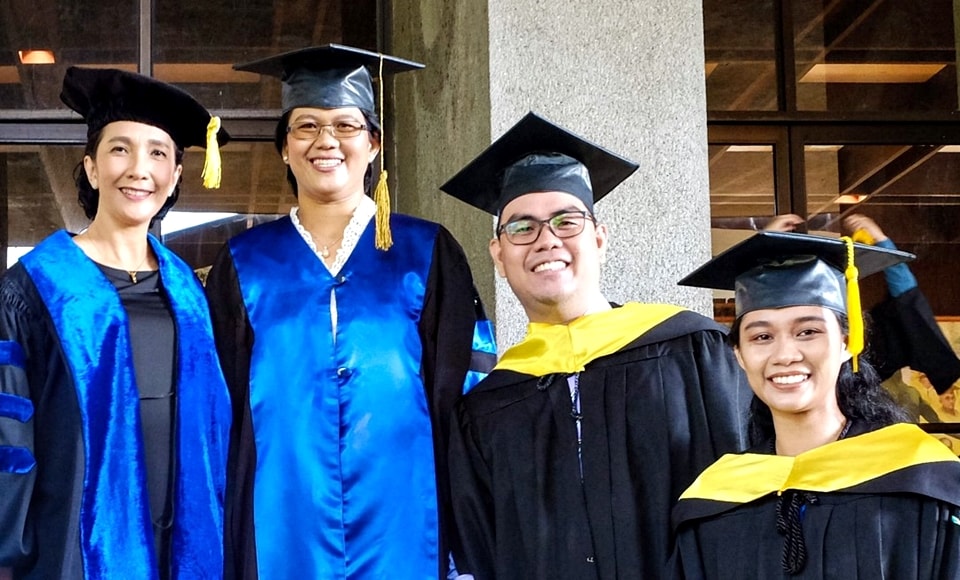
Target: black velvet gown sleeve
point(446, 333)
point(234, 339)
point(39, 543)
point(18, 331)
point(904, 333)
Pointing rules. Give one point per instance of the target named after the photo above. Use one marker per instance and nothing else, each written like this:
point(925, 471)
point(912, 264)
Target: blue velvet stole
point(14, 458)
point(116, 533)
point(345, 485)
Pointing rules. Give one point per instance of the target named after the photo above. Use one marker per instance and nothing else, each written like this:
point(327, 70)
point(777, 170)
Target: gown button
point(591, 559)
point(344, 373)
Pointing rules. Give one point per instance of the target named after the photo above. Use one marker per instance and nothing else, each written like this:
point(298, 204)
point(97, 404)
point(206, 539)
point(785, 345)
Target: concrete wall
point(627, 75)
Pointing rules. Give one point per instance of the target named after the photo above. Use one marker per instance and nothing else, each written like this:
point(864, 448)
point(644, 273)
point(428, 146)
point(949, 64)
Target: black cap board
point(537, 155)
point(329, 76)
point(780, 269)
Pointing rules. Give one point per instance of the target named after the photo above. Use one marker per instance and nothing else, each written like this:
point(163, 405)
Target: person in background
point(566, 459)
point(902, 330)
point(114, 413)
point(346, 334)
point(834, 484)
point(948, 405)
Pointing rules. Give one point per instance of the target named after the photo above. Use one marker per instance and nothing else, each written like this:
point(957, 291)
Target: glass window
point(898, 55)
point(38, 41)
point(910, 190)
point(196, 43)
point(740, 55)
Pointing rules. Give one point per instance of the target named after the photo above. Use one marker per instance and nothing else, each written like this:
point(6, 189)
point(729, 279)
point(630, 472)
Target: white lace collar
point(362, 215)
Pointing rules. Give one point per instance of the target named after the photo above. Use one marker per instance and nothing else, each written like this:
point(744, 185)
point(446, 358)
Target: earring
point(286, 159)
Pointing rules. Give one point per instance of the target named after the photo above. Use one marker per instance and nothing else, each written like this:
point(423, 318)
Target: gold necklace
point(133, 273)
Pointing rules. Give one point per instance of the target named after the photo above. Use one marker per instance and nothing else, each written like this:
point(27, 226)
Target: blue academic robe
point(339, 448)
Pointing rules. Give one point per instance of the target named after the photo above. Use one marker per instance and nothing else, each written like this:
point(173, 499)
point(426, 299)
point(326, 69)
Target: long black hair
point(860, 396)
point(280, 137)
point(89, 198)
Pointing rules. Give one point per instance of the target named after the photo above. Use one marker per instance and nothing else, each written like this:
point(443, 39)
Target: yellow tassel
point(854, 312)
point(381, 195)
point(211, 163)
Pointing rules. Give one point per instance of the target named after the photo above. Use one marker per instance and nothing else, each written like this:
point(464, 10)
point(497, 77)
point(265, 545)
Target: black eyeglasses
point(525, 231)
point(309, 130)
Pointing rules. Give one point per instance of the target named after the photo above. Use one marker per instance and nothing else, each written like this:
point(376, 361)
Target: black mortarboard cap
point(537, 155)
point(103, 96)
point(780, 269)
point(329, 76)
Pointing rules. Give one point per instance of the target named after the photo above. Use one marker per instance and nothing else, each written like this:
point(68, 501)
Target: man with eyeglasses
point(571, 453)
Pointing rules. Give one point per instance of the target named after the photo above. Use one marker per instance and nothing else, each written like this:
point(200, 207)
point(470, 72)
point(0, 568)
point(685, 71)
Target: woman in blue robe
point(114, 413)
point(346, 335)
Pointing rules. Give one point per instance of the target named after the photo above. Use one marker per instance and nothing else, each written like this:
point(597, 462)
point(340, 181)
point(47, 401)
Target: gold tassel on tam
point(212, 169)
point(381, 194)
point(854, 312)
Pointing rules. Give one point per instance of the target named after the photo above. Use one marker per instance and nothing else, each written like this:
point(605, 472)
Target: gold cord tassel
point(381, 194)
point(854, 312)
point(212, 169)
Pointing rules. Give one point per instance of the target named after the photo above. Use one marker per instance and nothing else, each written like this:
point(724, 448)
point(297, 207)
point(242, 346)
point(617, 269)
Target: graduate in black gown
point(570, 454)
point(346, 334)
point(114, 413)
point(835, 485)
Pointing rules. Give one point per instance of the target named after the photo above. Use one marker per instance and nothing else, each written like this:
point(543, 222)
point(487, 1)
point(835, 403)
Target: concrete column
point(628, 75)
point(442, 118)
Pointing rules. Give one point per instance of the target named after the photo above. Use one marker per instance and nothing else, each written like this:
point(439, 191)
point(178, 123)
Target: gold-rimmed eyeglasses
point(309, 130)
point(525, 231)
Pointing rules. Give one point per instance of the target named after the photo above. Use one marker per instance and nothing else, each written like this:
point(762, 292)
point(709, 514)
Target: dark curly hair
point(89, 198)
point(280, 136)
point(860, 396)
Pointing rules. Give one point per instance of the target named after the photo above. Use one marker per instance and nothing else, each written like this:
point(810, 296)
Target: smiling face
point(135, 171)
point(792, 358)
point(327, 168)
point(556, 279)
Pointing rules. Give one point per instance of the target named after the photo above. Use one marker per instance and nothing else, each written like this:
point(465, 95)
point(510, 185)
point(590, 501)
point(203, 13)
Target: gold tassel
point(381, 194)
point(212, 169)
point(854, 312)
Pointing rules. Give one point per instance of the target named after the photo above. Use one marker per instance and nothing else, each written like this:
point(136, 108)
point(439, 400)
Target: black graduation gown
point(449, 316)
point(886, 507)
point(903, 332)
point(655, 413)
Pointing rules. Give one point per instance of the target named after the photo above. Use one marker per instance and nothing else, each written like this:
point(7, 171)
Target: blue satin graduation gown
point(338, 454)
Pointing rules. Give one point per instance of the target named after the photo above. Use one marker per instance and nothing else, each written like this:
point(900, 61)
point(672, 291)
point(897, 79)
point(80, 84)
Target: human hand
point(786, 222)
point(856, 222)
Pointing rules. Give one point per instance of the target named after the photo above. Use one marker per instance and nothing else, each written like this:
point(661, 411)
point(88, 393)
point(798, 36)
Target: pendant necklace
point(325, 250)
point(133, 273)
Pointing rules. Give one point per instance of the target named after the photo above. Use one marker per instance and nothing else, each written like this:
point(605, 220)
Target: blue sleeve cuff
point(900, 279)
